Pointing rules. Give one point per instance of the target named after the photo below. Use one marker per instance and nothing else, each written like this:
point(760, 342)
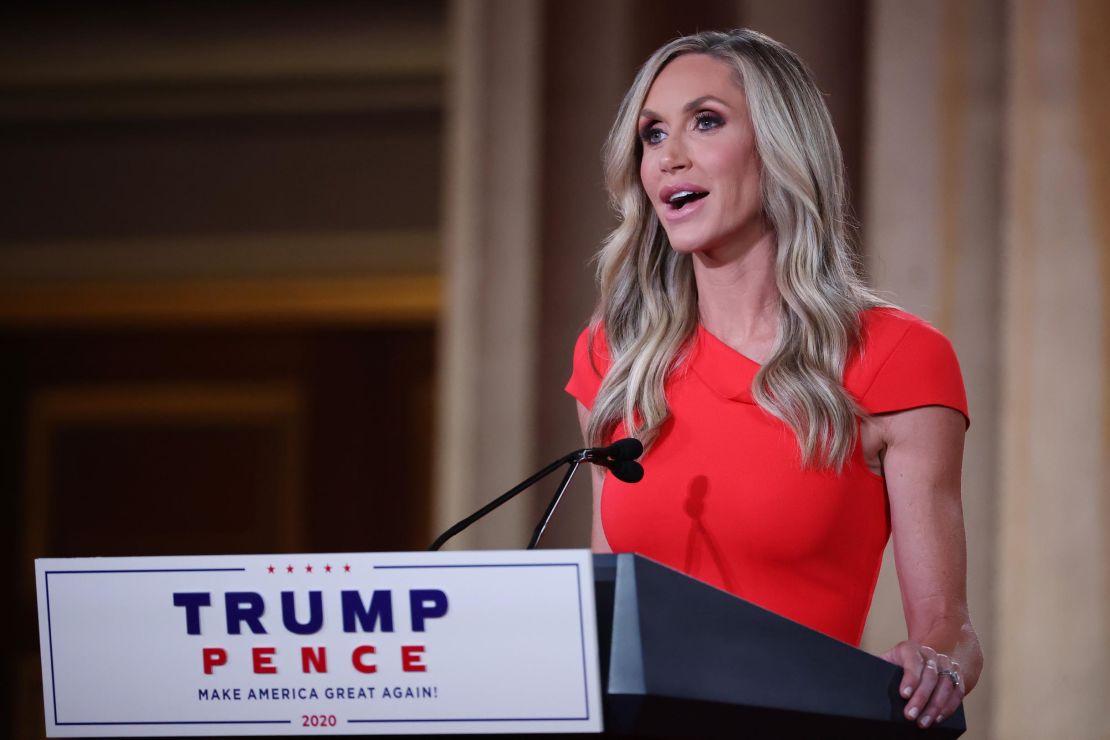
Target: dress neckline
point(727, 372)
point(730, 373)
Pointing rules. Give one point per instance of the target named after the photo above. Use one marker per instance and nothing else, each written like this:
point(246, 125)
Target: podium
point(676, 658)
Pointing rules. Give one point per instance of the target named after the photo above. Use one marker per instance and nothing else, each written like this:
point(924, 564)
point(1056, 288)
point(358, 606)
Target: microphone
point(622, 450)
point(628, 471)
point(619, 458)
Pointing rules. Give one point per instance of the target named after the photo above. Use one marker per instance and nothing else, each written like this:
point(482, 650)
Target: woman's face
point(699, 166)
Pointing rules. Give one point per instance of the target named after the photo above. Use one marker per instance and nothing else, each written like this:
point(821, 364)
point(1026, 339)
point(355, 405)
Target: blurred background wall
point(281, 276)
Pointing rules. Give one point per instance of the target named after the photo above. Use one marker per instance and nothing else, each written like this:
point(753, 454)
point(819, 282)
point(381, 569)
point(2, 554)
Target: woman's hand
point(931, 682)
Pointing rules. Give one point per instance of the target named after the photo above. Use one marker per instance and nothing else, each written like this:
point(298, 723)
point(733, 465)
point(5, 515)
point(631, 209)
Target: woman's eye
point(707, 120)
point(652, 135)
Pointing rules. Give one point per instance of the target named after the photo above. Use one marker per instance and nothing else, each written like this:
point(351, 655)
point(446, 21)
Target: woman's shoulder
point(903, 361)
point(590, 363)
point(886, 324)
point(592, 347)
point(886, 330)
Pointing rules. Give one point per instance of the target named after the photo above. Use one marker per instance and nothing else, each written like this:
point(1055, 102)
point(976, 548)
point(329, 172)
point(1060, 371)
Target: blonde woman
point(793, 420)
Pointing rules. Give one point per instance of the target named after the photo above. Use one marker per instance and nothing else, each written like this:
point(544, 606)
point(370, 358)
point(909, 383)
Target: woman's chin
point(685, 244)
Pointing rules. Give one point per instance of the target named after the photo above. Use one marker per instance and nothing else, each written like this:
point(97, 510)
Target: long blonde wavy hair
point(649, 299)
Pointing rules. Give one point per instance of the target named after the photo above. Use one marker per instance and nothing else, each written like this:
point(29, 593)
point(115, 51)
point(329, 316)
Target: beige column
point(486, 423)
point(933, 236)
point(1052, 658)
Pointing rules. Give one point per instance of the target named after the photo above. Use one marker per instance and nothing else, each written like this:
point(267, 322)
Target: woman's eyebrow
point(699, 102)
point(691, 106)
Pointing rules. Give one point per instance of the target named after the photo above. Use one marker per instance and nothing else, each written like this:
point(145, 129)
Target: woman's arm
point(921, 465)
point(597, 478)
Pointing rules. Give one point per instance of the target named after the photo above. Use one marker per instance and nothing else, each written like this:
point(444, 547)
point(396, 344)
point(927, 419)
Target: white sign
point(396, 643)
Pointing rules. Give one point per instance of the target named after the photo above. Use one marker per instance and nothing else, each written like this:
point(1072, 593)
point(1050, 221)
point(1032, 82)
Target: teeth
point(680, 194)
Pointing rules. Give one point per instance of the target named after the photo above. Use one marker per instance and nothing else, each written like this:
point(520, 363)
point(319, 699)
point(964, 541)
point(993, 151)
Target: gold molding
point(231, 256)
point(374, 301)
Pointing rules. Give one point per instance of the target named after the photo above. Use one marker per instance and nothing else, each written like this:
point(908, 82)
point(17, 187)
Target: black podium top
point(681, 659)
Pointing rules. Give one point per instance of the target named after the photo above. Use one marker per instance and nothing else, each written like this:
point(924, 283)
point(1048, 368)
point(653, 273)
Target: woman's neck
point(738, 296)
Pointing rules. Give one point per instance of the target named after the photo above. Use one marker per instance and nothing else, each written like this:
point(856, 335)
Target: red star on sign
point(327, 569)
point(289, 569)
point(346, 569)
point(270, 569)
point(308, 568)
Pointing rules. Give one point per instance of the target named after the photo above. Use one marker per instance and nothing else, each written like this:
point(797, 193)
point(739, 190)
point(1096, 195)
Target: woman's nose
point(674, 156)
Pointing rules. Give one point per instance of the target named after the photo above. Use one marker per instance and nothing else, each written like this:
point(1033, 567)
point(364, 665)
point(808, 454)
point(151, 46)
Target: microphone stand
point(575, 458)
point(617, 457)
point(538, 532)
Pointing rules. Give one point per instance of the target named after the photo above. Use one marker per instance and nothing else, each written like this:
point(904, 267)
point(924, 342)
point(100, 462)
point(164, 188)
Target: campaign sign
point(392, 643)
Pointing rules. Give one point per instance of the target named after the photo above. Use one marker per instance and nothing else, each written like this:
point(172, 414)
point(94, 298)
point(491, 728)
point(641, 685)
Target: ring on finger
point(952, 676)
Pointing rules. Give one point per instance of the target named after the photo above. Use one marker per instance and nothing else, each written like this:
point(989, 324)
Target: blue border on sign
point(581, 642)
point(50, 642)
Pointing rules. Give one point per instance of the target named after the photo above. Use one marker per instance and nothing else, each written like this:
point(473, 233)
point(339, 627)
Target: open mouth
point(683, 198)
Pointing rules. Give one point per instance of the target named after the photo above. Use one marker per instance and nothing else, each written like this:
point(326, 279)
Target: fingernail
point(940, 718)
point(926, 720)
point(913, 713)
point(906, 691)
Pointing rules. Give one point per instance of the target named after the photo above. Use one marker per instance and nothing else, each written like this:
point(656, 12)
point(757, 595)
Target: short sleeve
point(590, 365)
point(918, 368)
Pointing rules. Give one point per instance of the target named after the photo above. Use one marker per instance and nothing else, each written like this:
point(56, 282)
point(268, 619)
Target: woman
point(794, 421)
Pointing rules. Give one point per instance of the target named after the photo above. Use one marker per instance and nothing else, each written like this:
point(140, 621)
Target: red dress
point(724, 497)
